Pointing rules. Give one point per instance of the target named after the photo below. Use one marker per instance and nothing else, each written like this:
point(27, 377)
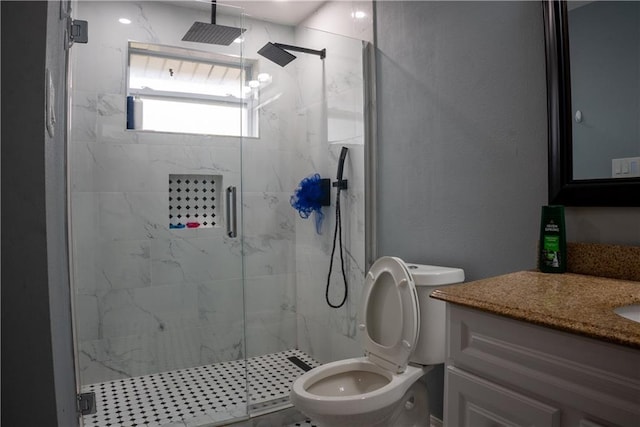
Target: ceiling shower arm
point(321, 53)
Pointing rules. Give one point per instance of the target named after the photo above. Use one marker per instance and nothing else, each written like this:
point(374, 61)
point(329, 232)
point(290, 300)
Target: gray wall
point(462, 137)
point(37, 362)
point(462, 133)
point(462, 141)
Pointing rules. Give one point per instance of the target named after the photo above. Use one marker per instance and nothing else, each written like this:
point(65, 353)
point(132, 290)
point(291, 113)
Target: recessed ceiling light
point(358, 14)
point(254, 83)
point(124, 21)
point(239, 40)
point(263, 77)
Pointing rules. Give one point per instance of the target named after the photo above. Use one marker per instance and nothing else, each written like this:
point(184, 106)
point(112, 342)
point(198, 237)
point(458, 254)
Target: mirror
point(592, 160)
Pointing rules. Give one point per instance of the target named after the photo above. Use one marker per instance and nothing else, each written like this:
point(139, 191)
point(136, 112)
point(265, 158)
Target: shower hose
point(337, 235)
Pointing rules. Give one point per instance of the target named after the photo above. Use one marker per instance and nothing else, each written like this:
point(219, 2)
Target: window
point(188, 91)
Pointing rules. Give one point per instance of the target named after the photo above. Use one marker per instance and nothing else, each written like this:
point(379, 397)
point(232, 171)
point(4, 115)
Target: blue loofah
point(308, 197)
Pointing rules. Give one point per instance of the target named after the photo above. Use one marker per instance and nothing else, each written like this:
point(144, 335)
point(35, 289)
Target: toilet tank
point(430, 347)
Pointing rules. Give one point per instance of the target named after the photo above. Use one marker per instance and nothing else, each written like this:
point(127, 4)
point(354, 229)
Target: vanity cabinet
point(505, 372)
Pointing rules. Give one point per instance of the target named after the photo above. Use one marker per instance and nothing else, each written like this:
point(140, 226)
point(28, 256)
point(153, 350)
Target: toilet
point(403, 335)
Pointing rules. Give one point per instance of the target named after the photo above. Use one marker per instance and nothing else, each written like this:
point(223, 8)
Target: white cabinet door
point(475, 402)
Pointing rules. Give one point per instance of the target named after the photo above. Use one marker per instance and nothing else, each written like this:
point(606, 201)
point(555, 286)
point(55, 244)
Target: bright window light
point(192, 117)
point(188, 91)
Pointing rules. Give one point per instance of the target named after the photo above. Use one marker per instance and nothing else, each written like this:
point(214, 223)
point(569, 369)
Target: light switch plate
point(626, 167)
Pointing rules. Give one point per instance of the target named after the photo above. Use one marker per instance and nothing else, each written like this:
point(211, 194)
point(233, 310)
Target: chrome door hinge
point(86, 403)
point(78, 31)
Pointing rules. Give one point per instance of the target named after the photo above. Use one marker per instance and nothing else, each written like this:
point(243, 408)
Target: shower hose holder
point(341, 184)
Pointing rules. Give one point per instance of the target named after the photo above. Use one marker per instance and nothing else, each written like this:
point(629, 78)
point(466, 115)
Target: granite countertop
point(570, 302)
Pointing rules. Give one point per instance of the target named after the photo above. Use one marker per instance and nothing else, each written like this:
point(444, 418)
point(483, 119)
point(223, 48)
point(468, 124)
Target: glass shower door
point(157, 262)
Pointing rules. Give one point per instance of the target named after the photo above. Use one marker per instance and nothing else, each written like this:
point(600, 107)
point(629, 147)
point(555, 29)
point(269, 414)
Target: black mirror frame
point(563, 189)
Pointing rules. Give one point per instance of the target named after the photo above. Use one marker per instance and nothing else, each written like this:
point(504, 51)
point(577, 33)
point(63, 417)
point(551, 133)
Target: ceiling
point(284, 12)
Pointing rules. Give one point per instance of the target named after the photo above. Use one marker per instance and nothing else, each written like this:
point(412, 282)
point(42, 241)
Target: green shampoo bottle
point(553, 241)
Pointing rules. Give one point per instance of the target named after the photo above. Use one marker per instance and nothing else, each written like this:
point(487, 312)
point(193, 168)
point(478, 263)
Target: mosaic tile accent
point(197, 396)
point(271, 377)
point(192, 200)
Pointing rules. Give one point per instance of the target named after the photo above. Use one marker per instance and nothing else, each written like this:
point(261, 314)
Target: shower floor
point(197, 396)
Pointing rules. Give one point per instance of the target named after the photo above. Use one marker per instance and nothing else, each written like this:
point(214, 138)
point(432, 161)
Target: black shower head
point(276, 52)
point(201, 32)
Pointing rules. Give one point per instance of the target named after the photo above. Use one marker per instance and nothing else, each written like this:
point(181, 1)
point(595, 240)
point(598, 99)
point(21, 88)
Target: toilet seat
point(389, 314)
point(369, 401)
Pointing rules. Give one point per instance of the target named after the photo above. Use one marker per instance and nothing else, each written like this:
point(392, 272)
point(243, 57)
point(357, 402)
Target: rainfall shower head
point(201, 32)
point(276, 52)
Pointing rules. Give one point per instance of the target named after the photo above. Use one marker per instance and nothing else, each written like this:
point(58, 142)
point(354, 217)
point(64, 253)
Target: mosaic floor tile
point(200, 395)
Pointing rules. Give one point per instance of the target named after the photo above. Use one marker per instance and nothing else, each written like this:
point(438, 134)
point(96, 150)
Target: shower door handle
point(232, 212)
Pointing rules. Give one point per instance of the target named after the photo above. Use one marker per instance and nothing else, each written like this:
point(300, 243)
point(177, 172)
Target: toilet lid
point(389, 314)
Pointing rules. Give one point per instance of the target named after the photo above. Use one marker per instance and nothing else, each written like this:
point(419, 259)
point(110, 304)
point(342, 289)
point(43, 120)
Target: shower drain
point(197, 396)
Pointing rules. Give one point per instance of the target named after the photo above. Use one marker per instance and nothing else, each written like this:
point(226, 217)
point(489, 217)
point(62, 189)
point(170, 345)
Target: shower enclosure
point(180, 316)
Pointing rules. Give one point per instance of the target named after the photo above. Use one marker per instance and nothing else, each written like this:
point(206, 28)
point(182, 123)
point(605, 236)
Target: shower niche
point(194, 201)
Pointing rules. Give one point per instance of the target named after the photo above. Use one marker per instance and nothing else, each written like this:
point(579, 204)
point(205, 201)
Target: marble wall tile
point(270, 169)
point(268, 213)
point(101, 70)
point(110, 359)
point(123, 264)
point(120, 316)
point(345, 116)
point(178, 289)
point(187, 140)
point(131, 216)
point(270, 305)
point(111, 119)
point(270, 333)
point(159, 299)
point(337, 17)
point(159, 23)
point(270, 313)
point(174, 307)
point(199, 346)
point(87, 313)
point(84, 108)
point(277, 124)
point(274, 294)
point(222, 343)
point(317, 338)
point(112, 167)
point(220, 302)
point(334, 118)
point(194, 160)
point(109, 167)
point(193, 261)
point(268, 254)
